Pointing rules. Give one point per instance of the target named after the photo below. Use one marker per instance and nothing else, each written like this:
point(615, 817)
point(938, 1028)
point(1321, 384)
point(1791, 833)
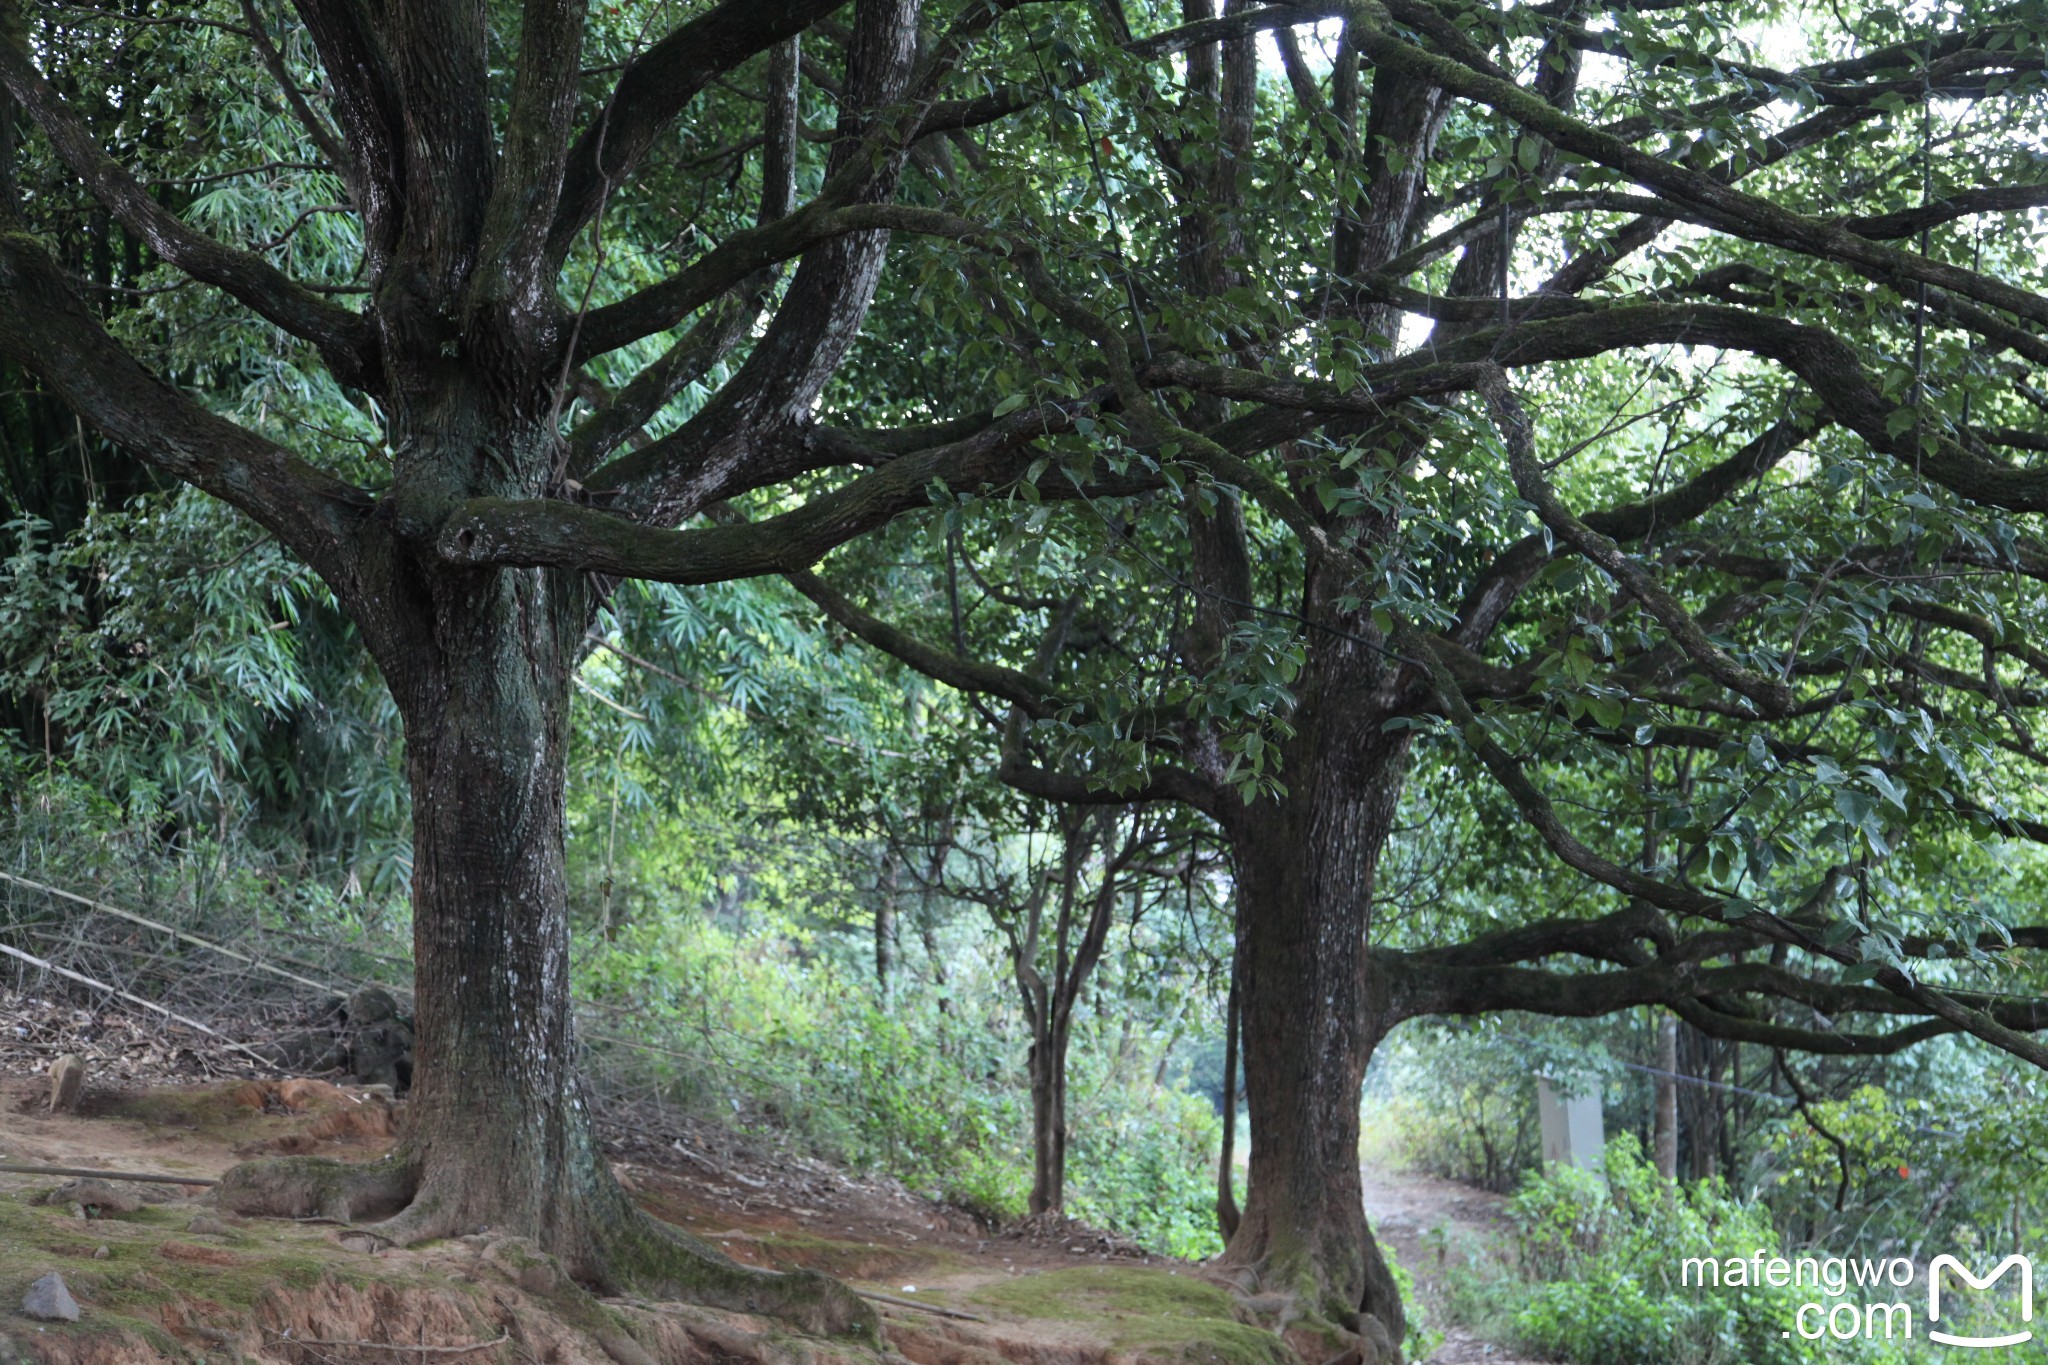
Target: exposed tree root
point(658, 1261)
point(317, 1187)
point(1299, 1308)
point(620, 1250)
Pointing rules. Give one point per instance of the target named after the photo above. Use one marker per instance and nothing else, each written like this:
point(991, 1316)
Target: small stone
point(101, 1253)
point(209, 1226)
point(49, 1300)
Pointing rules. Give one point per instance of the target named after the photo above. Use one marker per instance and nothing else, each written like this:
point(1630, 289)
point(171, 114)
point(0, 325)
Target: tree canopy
point(1616, 422)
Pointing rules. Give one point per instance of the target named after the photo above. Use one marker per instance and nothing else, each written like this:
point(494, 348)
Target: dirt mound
point(368, 1117)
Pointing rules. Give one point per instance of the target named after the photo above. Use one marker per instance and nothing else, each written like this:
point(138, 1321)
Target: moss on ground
point(212, 1110)
point(1153, 1314)
point(138, 1285)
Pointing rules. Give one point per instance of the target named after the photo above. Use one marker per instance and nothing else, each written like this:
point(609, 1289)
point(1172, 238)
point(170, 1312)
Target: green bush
point(1422, 1337)
point(1603, 1258)
point(764, 1030)
point(1145, 1164)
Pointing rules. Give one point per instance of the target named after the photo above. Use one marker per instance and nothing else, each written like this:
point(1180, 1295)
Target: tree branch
point(1773, 696)
point(967, 675)
point(570, 536)
point(48, 330)
point(1685, 900)
point(1720, 204)
point(655, 88)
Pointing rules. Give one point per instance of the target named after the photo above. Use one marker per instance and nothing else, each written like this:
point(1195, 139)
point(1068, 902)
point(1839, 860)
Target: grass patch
point(1153, 1314)
point(137, 1288)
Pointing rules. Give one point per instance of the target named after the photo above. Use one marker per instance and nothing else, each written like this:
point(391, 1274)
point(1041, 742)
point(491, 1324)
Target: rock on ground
point(49, 1300)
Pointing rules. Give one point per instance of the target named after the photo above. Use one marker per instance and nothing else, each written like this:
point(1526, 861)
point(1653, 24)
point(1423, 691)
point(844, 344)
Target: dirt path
point(1435, 1227)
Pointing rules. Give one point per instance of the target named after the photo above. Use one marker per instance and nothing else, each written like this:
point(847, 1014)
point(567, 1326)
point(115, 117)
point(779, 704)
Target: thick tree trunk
point(1312, 1012)
point(498, 1137)
point(497, 1130)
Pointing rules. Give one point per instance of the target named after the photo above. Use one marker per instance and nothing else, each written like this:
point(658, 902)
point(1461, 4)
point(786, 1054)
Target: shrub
point(1145, 1164)
point(1604, 1258)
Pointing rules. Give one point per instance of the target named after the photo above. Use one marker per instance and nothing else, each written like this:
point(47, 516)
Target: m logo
point(2026, 1268)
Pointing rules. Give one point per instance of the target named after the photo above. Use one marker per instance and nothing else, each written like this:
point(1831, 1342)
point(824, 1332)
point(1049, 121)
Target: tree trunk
point(498, 1137)
point(1049, 1122)
point(1228, 1215)
point(496, 1125)
point(885, 920)
point(1666, 1131)
point(1698, 1104)
point(1313, 1011)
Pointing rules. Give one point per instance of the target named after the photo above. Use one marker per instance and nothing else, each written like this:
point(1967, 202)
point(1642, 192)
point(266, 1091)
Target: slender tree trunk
point(1699, 1104)
point(1666, 1139)
point(885, 919)
point(1228, 1214)
point(1047, 1120)
point(1312, 1013)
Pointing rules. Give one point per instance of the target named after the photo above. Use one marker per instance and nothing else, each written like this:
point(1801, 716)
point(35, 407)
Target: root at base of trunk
point(628, 1251)
point(316, 1187)
point(1299, 1308)
point(651, 1258)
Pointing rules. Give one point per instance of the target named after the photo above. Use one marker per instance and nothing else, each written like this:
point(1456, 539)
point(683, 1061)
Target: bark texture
point(1313, 1010)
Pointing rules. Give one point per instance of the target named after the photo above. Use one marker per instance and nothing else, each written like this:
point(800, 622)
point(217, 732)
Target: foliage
point(781, 1033)
point(1603, 1260)
point(1149, 1167)
point(1455, 1103)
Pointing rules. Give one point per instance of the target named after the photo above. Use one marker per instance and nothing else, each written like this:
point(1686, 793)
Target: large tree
point(1143, 326)
point(1783, 657)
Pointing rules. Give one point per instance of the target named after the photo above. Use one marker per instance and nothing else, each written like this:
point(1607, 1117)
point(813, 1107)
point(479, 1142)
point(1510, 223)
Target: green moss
point(1152, 1314)
point(128, 1292)
point(1086, 1293)
point(210, 1109)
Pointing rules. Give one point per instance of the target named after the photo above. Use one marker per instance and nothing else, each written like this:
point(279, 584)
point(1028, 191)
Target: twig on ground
point(920, 1307)
point(84, 980)
point(284, 1339)
point(23, 1168)
point(101, 907)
